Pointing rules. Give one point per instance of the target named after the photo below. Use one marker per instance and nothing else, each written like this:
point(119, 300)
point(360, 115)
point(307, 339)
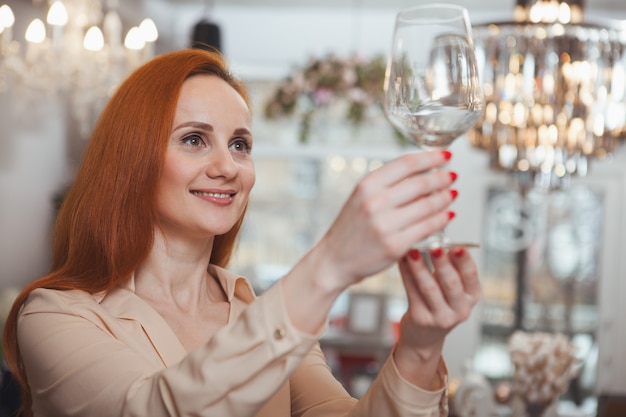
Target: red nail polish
point(453, 176)
point(414, 254)
point(446, 154)
point(451, 215)
point(436, 253)
point(454, 193)
point(458, 252)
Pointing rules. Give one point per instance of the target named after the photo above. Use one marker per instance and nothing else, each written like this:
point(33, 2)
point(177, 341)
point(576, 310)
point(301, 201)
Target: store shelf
point(318, 151)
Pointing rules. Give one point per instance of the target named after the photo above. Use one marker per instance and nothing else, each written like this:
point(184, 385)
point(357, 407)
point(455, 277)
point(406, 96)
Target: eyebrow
point(209, 128)
point(197, 125)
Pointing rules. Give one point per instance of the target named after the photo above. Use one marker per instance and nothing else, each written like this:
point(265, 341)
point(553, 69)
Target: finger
point(397, 236)
point(449, 278)
point(418, 227)
point(468, 270)
point(421, 284)
point(421, 185)
point(435, 203)
point(398, 228)
point(398, 218)
point(421, 217)
point(392, 211)
point(419, 308)
point(408, 165)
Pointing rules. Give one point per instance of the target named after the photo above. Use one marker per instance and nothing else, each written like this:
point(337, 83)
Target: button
point(279, 333)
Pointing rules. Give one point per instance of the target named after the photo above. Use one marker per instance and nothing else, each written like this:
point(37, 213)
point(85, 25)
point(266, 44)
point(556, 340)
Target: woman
point(138, 316)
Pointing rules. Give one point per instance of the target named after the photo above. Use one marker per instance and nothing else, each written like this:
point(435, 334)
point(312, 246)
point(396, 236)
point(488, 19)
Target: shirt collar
point(122, 302)
point(233, 285)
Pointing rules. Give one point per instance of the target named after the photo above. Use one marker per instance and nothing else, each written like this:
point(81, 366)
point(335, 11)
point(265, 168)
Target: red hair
point(105, 226)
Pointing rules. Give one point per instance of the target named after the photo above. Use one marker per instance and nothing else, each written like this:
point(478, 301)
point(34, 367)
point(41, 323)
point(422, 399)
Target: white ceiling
point(596, 11)
point(591, 5)
point(345, 26)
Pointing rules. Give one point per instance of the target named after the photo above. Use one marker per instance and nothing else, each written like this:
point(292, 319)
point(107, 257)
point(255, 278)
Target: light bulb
point(134, 39)
point(57, 15)
point(148, 30)
point(36, 32)
point(94, 40)
point(6, 16)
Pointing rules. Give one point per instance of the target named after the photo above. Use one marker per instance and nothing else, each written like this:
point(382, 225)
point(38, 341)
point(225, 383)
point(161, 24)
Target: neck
point(175, 271)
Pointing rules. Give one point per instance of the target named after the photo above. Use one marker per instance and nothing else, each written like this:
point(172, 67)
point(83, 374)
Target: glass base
point(442, 241)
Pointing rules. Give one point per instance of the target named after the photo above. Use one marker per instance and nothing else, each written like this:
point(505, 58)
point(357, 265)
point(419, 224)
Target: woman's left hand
point(438, 300)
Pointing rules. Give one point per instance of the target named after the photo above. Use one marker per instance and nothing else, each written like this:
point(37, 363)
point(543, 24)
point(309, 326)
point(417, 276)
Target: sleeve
point(75, 367)
point(316, 393)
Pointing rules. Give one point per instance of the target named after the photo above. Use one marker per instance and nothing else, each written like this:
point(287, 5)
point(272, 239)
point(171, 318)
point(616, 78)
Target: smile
point(214, 195)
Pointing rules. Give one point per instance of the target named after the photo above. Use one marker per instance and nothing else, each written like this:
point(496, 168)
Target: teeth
point(216, 195)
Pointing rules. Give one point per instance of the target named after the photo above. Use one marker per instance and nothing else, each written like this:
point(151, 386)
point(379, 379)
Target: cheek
point(172, 183)
point(250, 177)
point(174, 172)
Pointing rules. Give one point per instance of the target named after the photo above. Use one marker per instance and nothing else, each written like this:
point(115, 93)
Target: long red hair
point(105, 226)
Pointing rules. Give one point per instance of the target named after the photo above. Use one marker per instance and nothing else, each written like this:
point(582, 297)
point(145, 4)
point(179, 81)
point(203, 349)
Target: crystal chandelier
point(75, 48)
point(555, 91)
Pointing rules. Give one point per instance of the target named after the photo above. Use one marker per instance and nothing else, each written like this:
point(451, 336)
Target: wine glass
point(433, 93)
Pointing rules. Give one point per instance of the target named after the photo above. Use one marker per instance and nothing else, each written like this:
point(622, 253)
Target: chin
point(211, 232)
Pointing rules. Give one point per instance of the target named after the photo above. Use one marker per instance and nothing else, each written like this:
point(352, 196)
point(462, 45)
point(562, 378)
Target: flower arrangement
point(326, 81)
point(544, 365)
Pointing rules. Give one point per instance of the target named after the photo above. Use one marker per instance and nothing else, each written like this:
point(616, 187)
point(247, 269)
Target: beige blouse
point(113, 355)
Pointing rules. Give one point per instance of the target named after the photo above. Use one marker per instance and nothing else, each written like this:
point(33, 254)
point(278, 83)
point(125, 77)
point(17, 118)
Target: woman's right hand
point(389, 210)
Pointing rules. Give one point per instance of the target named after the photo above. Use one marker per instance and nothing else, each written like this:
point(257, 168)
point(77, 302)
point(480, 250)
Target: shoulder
point(43, 300)
point(48, 312)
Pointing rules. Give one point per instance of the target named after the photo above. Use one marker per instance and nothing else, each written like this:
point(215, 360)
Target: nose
point(220, 163)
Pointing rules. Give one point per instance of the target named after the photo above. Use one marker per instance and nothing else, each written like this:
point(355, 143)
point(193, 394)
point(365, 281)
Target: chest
point(195, 328)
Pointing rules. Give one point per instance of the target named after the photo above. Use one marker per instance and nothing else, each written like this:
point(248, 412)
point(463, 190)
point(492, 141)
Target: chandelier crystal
point(75, 48)
point(555, 92)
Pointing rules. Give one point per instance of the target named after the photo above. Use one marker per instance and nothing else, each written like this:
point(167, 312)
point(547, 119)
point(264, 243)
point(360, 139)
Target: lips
point(215, 197)
point(212, 195)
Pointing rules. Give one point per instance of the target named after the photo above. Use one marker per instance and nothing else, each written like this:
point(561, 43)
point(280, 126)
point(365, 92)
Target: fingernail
point(414, 254)
point(451, 215)
point(446, 154)
point(453, 176)
point(458, 252)
point(454, 193)
point(436, 253)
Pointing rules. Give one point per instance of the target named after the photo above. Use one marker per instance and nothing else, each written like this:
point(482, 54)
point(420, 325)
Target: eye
point(193, 140)
point(241, 145)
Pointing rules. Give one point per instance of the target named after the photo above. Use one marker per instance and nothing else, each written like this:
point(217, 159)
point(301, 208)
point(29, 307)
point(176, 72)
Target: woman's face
point(208, 171)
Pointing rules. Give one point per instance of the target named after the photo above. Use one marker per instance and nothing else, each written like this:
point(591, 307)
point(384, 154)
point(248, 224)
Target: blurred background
point(547, 208)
